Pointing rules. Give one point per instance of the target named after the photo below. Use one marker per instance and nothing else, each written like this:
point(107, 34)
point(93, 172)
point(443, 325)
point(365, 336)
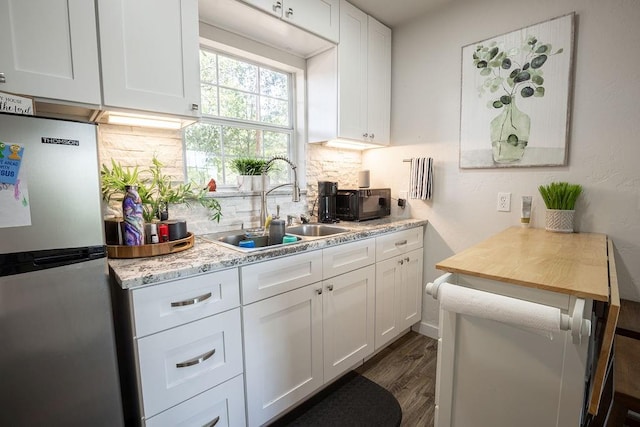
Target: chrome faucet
point(295, 197)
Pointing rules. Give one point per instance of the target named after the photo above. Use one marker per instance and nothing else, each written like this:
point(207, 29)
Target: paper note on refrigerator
point(15, 209)
point(10, 160)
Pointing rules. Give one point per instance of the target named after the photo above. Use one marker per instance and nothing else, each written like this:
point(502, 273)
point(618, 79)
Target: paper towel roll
point(499, 308)
point(363, 179)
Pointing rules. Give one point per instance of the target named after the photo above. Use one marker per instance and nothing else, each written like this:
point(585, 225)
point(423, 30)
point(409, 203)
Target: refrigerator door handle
point(61, 258)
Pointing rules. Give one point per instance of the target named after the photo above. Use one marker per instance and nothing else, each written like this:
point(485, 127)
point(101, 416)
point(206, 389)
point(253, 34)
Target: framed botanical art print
point(515, 97)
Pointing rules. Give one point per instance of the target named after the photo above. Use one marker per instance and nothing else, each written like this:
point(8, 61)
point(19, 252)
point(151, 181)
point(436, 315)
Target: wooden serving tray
point(122, 251)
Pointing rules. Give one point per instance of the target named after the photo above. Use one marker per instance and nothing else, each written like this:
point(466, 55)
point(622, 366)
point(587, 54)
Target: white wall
point(604, 146)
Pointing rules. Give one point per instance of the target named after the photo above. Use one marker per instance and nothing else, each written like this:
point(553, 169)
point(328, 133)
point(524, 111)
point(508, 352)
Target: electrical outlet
point(504, 202)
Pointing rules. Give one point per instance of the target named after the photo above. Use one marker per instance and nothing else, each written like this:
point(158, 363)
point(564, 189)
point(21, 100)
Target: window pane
point(203, 137)
point(274, 84)
point(203, 148)
point(208, 71)
point(238, 105)
point(277, 144)
point(240, 142)
point(274, 111)
point(238, 75)
point(209, 95)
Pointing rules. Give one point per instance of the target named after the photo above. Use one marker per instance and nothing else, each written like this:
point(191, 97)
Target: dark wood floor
point(407, 368)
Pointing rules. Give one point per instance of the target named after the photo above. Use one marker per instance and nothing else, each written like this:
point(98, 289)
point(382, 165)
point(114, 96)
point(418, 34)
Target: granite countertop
point(206, 256)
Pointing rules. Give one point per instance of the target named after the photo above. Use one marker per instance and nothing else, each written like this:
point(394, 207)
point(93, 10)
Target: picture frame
point(515, 97)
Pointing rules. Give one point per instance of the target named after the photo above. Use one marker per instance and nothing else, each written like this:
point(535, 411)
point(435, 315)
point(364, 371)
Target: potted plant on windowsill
point(156, 190)
point(560, 200)
point(249, 173)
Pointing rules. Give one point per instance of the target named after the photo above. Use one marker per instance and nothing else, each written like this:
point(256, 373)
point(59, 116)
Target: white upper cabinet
point(349, 87)
point(149, 52)
point(48, 49)
point(320, 17)
point(378, 82)
point(352, 73)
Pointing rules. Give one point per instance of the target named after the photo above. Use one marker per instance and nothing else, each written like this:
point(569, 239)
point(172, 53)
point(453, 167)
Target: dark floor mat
point(352, 401)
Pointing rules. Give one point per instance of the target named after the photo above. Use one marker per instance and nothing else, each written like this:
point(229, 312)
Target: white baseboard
point(426, 329)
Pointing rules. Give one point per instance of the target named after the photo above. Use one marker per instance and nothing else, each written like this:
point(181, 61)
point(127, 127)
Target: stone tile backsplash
point(133, 146)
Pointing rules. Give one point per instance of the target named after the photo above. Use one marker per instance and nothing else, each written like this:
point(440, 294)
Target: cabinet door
point(49, 49)
point(348, 325)
point(411, 289)
point(352, 73)
point(321, 17)
point(283, 351)
point(379, 82)
point(149, 53)
point(388, 301)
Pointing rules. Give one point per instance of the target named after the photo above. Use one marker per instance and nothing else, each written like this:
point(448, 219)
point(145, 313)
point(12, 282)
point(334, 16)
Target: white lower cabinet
point(348, 303)
point(221, 406)
point(303, 338)
point(398, 295)
point(283, 351)
point(180, 345)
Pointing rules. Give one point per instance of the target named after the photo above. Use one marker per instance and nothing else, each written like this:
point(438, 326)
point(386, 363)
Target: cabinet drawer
point(184, 361)
point(222, 406)
point(398, 243)
point(275, 276)
point(170, 304)
point(351, 256)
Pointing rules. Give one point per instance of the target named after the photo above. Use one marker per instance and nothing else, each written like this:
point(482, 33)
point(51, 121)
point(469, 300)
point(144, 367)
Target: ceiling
point(395, 12)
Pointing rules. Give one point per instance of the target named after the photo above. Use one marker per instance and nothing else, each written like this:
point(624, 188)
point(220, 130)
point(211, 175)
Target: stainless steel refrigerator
point(57, 349)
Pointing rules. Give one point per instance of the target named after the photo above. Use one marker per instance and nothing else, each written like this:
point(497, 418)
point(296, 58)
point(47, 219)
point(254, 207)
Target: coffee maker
point(327, 192)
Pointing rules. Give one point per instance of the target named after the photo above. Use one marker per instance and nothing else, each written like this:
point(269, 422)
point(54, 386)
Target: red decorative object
point(211, 186)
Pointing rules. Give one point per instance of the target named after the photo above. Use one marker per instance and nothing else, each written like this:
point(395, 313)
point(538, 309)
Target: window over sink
point(247, 111)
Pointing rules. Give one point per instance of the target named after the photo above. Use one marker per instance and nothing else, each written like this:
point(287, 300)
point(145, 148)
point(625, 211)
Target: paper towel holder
point(576, 323)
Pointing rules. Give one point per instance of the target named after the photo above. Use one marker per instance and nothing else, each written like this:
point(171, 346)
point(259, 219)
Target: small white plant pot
point(257, 182)
point(559, 221)
point(245, 182)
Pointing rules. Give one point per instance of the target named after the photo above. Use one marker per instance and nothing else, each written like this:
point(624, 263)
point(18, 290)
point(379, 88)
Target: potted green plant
point(156, 189)
point(249, 173)
point(560, 200)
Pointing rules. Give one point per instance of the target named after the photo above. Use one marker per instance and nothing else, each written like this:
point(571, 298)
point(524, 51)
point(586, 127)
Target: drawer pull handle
point(407, 259)
point(401, 242)
point(330, 288)
point(192, 301)
point(196, 360)
point(212, 422)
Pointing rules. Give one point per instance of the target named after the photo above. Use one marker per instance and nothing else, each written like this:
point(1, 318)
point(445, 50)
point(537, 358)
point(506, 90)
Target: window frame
point(295, 130)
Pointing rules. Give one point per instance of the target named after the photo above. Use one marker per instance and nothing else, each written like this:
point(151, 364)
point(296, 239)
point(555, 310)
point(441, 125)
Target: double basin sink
point(300, 232)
